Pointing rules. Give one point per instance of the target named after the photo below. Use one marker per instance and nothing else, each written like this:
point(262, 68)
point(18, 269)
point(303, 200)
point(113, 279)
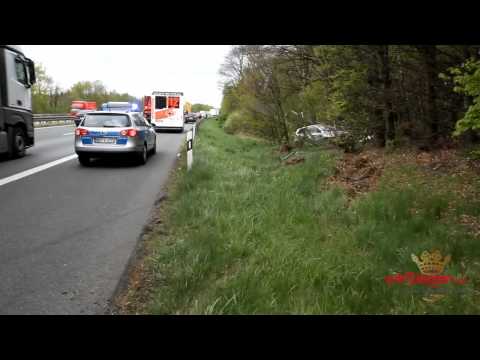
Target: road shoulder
point(135, 287)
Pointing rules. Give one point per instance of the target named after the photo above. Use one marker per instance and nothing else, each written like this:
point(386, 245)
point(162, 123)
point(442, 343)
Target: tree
point(41, 90)
point(48, 97)
point(467, 81)
point(201, 107)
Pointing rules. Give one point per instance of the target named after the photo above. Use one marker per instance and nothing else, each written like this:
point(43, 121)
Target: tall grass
point(248, 235)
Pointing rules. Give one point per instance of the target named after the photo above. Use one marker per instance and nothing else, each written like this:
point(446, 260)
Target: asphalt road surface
point(67, 232)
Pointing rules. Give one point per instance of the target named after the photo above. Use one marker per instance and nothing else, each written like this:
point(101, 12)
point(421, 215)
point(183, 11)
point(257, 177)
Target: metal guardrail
point(200, 121)
point(43, 120)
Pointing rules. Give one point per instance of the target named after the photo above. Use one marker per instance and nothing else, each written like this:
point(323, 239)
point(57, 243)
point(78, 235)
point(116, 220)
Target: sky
point(137, 69)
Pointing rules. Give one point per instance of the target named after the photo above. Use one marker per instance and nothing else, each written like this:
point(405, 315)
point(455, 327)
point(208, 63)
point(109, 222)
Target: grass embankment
point(245, 234)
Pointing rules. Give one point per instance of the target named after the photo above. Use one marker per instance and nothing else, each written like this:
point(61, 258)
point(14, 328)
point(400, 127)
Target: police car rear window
point(106, 121)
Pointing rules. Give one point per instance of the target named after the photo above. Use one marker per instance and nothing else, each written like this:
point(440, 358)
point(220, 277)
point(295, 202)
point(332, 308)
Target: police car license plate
point(105, 140)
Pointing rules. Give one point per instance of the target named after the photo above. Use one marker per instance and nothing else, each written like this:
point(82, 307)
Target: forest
point(420, 95)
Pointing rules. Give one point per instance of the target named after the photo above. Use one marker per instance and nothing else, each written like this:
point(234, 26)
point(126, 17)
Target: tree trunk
point(283, 119)
point(276, 95)
point(388, 116)
point(379, 128)
point(429, 53)
point(467, 100)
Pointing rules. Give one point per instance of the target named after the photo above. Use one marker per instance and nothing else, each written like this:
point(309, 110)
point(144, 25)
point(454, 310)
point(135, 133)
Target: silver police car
point(106, 133)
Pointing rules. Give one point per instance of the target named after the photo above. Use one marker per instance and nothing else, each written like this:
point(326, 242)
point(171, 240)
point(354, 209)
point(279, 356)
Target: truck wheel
point(142, 156)
point(84, 160)
point(17, 142)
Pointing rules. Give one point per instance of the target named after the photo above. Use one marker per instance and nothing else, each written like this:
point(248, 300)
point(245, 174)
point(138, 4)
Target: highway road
point(67, 232)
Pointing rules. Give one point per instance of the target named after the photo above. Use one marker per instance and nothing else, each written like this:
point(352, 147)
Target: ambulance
point(166, 110)
point(147, 107)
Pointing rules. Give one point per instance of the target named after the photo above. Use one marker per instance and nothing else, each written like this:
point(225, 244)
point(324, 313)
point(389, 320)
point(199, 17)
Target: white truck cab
point(17, 75)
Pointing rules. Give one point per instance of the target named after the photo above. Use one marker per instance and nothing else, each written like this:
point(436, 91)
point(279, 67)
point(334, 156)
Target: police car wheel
point(142, 156)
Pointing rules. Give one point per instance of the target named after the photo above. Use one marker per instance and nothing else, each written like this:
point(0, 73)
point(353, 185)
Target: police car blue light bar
point(119, 106)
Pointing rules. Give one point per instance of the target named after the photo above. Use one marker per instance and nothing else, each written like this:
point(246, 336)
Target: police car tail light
point(81, 132)
point(129, 132)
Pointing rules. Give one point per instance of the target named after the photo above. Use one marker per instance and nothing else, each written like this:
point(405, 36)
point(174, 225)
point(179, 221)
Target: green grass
point(248, 235)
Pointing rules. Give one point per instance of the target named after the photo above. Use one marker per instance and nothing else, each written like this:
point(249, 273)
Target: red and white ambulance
point(166, 110)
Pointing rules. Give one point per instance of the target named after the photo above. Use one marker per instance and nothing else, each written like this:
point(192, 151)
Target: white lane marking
point(69, 133)
point(52, 127)
point(36, 169)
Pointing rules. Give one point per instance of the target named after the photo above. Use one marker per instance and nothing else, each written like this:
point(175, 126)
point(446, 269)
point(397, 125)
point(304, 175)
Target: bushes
point(221, 118)
point(236, 122)
point(347, 142)
point(231, 125)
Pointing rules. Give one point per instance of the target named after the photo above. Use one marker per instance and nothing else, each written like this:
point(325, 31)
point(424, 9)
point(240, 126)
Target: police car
point(106, 133)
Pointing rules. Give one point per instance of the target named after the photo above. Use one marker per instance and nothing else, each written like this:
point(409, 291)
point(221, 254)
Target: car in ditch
point(190, 117)
point(317, 133)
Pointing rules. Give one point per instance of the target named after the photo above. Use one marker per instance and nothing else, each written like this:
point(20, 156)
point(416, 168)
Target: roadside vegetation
point(267, 224)
point(246, 232)
point(201, 107)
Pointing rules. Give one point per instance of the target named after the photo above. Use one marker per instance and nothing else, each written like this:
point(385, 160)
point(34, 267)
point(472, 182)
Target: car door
point(151, 134)
point(140, 127)
point(147, 130)
point(17, 82)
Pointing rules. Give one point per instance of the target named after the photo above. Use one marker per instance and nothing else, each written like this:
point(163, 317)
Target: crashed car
point(317, 133)
point(190, 117)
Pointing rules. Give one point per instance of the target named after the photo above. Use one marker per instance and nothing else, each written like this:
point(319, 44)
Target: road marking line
point(36, 169)
point(52, 127)
point(69, 133)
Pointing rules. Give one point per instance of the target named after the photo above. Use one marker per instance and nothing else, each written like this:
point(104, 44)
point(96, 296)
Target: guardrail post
point(189, 149)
